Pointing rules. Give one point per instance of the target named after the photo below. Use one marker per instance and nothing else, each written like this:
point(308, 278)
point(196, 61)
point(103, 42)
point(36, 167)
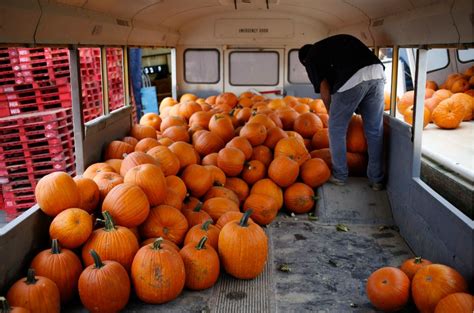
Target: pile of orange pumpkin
point(434, 288)
point(447, 106)
point(186, 192)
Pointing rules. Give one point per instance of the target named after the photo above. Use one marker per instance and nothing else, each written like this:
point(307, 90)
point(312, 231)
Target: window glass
point(201, 66)
point(254, 68)
point(296, 71)
point(437, 59)
point(466, 55)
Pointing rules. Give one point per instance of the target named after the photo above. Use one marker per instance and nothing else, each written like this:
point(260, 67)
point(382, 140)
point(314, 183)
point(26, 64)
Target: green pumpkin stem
point(232, 112)
point(244, 220)
point(55, 249)
point(30, 277)
point(157, 243)
point(418, 260)
point(206, 224)
point(5, 307)
point(109, 221)
point(97, 261)
point(201, 243)
point(198, 207)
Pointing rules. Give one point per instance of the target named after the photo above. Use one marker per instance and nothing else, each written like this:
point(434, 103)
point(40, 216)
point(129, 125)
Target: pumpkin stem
point(315, 197)
point(198, 207)
point(97, 261)
point(5, 308)
point(30, 277)
point(55, 249)
point(157, 243)
point(109, 221)
point(201, 243)
point(245, 218)
point(218, 183)
point(418, 260)
point(206, 224)
point(231, 113)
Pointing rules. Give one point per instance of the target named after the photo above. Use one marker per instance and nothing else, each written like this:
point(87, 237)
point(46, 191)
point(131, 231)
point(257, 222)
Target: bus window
point(296, 71)
point(201, 66)
point(254, 68)
point(466, 55)
point(115, 78)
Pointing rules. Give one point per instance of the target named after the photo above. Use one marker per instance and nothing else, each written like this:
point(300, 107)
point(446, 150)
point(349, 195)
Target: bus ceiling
point(237, 22)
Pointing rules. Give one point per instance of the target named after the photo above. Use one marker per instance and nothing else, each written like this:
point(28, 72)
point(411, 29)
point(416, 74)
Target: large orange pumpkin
point(134, 159)
point(167, 222)
point(112, 242)
point(151, 119)
point(293, 148)
point(131, 141)
point(283, 171)
point(448, 114)
point(253, 171)
point(320, 139)
point(146, 144)
point(198, 179)
point(35, 293)
point(255, 133)
point(231, 161)
point(72, 227)
point(222, 126)
point(355, 139)
point(223, 192)
point(88, 193)
point(96, 168)
point(238, 186)
point(307, 124)
point(106, 182)
point(468, 103)
point(458, 302)
point(408, 116)
point(216, 207)
point(263, 154)
point(264, 208)
point(61, 266)
point(127, 204)
point(268, 187)
point(299, 198)
point(115, 164)
point(56, 192)
point(206, 142)
point(243, 248)
point(177, 133)
point(315, 172)
point(196, 215)
point(434, 282)
point(412, 265)
point(141, 131)
point(242, 144)
point(104, 286)
point(158, 273)
point(201, 264)
point(200, 230)
point(150, 179)
point(388, 289)
point(185, 153)
point(168, 161)
point(274, 134)
point(116, 149)
point(230, 216)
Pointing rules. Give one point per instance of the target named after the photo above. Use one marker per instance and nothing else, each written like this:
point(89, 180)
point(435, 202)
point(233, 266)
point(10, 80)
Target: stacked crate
point(91, 83)
point(36, 130)
point(115, 78)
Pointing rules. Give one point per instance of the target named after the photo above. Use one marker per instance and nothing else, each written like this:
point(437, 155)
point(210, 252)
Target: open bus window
point(201, 66)
point(254, 68)
point(296, 71)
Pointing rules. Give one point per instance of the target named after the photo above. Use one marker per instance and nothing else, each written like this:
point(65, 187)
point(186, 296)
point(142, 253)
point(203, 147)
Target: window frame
point(218, 66)
point(440, 68)
point(255, 51)
point(463, 62)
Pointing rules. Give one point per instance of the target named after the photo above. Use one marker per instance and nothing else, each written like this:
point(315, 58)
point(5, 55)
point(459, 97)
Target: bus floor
point(312, 266)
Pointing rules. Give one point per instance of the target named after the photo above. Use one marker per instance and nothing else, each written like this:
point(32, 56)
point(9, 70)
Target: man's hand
point(325, 92)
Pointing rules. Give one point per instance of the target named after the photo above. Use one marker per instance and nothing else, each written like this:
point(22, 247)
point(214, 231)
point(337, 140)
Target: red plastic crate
point(31, 166)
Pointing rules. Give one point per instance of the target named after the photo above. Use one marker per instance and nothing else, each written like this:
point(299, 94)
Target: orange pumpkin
point(185, 153)
point(35, 293)
point(411, 266)
point(187, 109)
point(88, 193)
point(153, 259)
point(261, 118)
point(151, 119)
point(206, 142)
point(127, 204)
point(201, 264)
point(242, 144)
point(274, 134)
point(115, 164)
point(196, 215)
point(141, 131)
point(268, 187)
point(178, 185)
point(56, 192)
point(218, 176)
point(106, 182)
point(134, 159)
point(112, 242)
point(222, 126)
point(223, 192)
point(131, 141)
point(468, 103)
point(6, 308)
point(299, 198)
point(201, 119)
point(406, 100)
point(459, 302)
point(72, 227)
point(283, 171)
point(320, 139)
point(287, 116)
point(104, 286)
point(264, 208)
point(146, 144)
point(116, 149)
point(253, 171)
point(168, 161)
point(96, 168)
point(172, 121)
point(388, 289)
point(216, 207)
point(240, 244)
point(263, 154)
point(200, 230)
point(230, 216)
point(150, 179)
point(255, 133)
point(315, 172)
point(238, 186)
point(61, 266)
point(307, 124)
point(167, 222)
point(231, 161)
point(408, 116)
point(355, 139)
point(210, 159)
point(198, 179)
point(448, 114)
point(172, 199)
point(177, 133)
point(293, 149)
point(434, 282)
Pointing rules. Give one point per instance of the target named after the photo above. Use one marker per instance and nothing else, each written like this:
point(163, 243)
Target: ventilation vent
point(377, 23)
point(123, 22)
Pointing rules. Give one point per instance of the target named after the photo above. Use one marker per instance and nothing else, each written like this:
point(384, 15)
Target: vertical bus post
point(174, 74)
point(417, 127)
point(125, 76)
point(77, 116)
point(394, 81)
point(105, 80)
